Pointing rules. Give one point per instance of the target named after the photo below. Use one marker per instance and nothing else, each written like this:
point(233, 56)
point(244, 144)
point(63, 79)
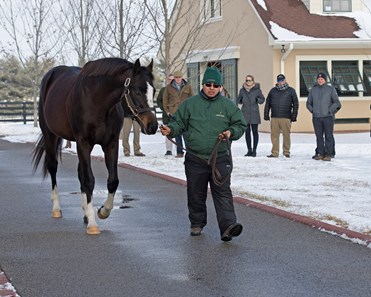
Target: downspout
point(285, 54)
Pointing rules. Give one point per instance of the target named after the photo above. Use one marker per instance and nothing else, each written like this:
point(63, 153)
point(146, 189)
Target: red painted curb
point(342, 232)
point(306, 220)
point(6, 292)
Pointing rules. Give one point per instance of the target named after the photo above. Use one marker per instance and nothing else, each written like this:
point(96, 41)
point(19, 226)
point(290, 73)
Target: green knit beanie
point(212, 75)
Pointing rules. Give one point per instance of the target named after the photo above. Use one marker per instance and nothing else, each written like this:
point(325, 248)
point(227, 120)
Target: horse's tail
point(39, 151)
point(39, 148)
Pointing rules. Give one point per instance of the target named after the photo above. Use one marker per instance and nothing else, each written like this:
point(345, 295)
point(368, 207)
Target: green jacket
point(201, 119)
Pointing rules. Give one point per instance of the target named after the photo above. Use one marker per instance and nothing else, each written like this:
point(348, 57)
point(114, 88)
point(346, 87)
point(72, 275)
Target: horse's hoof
point(57, 214)
point(93, 230)
point(101, 215)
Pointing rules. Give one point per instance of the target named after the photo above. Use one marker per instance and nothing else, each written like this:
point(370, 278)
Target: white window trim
point(217, 54)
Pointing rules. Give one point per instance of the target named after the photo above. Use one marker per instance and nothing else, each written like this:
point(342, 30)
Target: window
point(337, 5)
point(346, 78)
point(367, 77)
point(212, 9)
point(193, 76)
point(229, 73)
point(308, 75)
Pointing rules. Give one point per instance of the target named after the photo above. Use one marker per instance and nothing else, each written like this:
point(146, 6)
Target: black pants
point(324, 130)
point(254, 129)
point(199, 175)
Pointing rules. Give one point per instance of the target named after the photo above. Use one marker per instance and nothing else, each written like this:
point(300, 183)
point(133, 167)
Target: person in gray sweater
point(323, 103)
point(250, 96)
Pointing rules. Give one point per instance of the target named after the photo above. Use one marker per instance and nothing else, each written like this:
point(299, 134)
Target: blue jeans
point(324, 130)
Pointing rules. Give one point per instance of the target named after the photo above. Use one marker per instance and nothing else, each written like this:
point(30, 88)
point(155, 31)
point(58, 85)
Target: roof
point(293, 16)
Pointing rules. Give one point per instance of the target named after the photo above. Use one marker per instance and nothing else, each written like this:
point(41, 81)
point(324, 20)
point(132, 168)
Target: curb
point(344, 233)
point(6, 289)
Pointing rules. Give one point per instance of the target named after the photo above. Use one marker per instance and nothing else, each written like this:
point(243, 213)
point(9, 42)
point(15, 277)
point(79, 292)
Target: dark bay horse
point(86, 105)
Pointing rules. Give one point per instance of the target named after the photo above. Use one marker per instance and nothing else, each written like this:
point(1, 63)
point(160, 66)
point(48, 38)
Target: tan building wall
point(239, 27)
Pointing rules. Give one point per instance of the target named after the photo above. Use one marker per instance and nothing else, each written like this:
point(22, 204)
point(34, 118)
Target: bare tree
point(81, 24)
point(123, 28)
point(33, 34)
point(179, 20)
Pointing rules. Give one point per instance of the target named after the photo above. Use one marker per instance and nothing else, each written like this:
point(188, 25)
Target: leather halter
point(136, 111)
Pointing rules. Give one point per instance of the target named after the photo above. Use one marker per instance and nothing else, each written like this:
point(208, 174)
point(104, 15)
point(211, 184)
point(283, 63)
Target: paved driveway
point(145, 248)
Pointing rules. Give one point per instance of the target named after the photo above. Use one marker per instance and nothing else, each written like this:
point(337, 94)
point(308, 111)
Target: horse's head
point(138, 97)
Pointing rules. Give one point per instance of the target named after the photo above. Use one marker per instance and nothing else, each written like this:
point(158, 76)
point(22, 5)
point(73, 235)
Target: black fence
point(16, 111)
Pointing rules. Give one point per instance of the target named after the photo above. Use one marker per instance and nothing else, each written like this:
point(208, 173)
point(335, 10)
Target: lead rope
point(215, 173)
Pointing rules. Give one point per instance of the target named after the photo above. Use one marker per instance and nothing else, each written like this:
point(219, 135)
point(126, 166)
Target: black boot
point(249, 153)
point(253, 154)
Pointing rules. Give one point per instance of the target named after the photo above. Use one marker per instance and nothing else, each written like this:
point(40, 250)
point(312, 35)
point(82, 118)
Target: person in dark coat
point(165, 117)
point(283, 104)
point(174, 94)
point(250, 96)
point(323, 102)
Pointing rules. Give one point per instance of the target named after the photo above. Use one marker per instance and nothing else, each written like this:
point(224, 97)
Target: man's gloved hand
point(266, 118)
point(293, 119)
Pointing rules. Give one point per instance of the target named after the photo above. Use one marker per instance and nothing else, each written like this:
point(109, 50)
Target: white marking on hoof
point(93, 230)
point(56, 208)
point(57, 214)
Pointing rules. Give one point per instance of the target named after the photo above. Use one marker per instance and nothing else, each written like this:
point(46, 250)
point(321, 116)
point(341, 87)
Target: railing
point(16, 111)
point(23, 111)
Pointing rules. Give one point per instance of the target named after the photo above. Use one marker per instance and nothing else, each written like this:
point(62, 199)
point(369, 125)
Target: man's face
point(281, 81)
point(211, 89)
point(178, 79)
point(169, 79)
point(321, 81)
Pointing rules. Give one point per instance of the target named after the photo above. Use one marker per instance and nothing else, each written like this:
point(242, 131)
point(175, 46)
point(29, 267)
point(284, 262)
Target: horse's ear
point(136, 65)
point(150, 66)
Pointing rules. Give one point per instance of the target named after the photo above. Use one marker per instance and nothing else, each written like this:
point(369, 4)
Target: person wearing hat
point(281, 108)
point(203, 119)
point(165, 117)
point(323, 103)
point(174, 94)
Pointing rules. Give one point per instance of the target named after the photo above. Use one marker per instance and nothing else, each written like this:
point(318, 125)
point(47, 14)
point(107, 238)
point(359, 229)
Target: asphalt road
point(145, 248)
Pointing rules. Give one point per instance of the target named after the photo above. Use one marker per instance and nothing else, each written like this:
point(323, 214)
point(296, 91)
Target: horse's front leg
point(111, 157)
point(87, 183)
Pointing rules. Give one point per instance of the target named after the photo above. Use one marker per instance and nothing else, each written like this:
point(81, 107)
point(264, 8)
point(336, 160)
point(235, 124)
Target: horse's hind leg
point(111, 157)
point(51, 162)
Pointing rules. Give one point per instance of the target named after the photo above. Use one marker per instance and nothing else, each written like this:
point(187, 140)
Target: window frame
point(308, 73)
point(331, 3)
point(359, 60)
point(212, 9)
point(346, 78)
point(193, 76)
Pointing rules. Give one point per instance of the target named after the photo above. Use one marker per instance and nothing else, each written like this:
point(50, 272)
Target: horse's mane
point(106, 66)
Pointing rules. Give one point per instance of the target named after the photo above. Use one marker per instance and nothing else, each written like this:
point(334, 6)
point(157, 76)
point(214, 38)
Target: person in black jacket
point(283, 104)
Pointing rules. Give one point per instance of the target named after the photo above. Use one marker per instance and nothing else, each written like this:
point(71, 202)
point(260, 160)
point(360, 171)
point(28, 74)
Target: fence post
point(24, 112)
